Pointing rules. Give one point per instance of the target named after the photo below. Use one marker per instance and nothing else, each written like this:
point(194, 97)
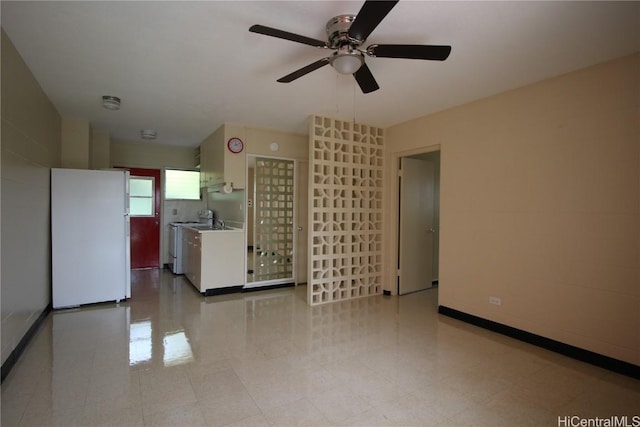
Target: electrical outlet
point(495, 301)
point(174, 212)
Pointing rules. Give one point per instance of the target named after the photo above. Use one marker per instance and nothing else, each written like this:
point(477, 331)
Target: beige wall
point(228, 207)
point(100, 150)
point(31, 129)
point(540, 202)
point(76, 143)
point(153, 156)
point(291, 145)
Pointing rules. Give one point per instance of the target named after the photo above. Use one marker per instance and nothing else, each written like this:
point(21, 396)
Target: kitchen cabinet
point(214, 259)
point(218, 165)
point(208, 160)
point(204, 166)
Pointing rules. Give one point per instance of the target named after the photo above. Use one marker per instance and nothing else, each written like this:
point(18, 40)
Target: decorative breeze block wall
point(345, 215)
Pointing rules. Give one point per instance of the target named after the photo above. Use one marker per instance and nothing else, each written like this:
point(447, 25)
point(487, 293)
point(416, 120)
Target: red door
point(145, 217)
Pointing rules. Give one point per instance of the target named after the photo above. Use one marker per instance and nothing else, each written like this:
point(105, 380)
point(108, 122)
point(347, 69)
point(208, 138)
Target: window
point(141, 196)
point(181, 185)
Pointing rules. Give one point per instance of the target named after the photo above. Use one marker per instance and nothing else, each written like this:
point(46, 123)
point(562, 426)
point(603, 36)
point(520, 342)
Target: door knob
point(299, 228)
point(431, 230)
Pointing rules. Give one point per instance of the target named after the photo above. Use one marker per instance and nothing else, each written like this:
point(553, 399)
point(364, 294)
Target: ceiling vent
point(111, 102)
point(148, 134)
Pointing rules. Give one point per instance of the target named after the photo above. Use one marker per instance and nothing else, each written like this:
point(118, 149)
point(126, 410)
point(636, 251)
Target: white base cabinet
point(214, 259)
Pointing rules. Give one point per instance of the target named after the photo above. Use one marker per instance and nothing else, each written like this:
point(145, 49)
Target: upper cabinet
point(223, 157)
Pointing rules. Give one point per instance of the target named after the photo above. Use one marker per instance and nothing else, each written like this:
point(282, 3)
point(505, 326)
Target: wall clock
point(235, 145)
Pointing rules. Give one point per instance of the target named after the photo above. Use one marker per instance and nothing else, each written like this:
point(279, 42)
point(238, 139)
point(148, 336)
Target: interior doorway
point(418, 222)
point(145, 194)
point(271, 221)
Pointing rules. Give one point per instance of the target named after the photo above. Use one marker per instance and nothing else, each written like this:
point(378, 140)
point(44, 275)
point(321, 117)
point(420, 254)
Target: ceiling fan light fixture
point(347, 61)
point(111, 102)
point(148, 134)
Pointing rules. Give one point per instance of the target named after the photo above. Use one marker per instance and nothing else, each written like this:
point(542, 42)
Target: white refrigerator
point(90, 252)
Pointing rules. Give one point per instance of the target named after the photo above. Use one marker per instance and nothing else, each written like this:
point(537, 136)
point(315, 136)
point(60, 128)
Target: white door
point(416, 225)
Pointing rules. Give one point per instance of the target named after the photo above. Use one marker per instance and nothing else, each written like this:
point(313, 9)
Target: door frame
point(417, 218)
point(160, 185)
point(394, 211)
point(247, 196)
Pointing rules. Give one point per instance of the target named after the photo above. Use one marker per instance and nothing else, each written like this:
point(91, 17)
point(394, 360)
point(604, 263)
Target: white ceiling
point(184, 68)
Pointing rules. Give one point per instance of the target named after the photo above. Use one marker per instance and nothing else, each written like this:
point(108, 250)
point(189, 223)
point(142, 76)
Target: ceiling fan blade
point(365, 79)
point(410, 51)
point(304, 70)
point(274, 32)
point(370, 15)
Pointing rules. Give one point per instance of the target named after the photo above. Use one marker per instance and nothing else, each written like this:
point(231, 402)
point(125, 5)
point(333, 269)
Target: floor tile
point(253, 421)
point(339, 404)
point(229, 409)
point(297, 413)
point(189, 415)
point(216, 385)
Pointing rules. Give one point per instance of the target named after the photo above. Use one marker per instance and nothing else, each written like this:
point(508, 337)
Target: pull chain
point(336, 95)
point(354, 103)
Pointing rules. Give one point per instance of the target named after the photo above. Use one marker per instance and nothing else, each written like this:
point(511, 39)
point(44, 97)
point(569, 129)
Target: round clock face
point(235, 145)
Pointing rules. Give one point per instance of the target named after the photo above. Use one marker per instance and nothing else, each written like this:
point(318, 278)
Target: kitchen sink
point(205, 227)
point(202, 227)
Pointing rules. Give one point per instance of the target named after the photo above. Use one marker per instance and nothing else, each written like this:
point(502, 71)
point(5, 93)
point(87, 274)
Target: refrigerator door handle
point(127, 255)
point(127, 197)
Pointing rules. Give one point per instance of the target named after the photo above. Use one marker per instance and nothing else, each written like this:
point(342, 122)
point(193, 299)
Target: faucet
point(221, 222)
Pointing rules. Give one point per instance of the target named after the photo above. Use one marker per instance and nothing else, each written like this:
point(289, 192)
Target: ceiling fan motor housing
point(337, 29)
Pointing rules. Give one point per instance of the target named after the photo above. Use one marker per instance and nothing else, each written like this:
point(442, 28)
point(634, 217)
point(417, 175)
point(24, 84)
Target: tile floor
point(171, 357)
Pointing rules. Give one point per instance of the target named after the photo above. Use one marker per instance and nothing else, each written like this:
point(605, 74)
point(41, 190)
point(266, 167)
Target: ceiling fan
point(346, 33)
